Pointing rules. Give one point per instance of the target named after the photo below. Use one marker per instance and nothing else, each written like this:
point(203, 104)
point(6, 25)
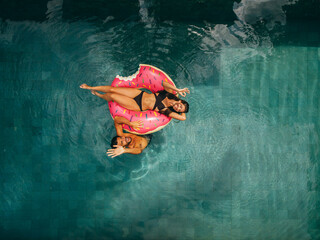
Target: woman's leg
point(128, 92)
point(122, 100)
point(97, 88)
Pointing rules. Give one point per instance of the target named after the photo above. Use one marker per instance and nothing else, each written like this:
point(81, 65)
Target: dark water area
point(214, 11)
point(245, 163)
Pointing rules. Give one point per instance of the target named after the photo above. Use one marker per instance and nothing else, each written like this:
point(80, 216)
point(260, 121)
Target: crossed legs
point(123, 96)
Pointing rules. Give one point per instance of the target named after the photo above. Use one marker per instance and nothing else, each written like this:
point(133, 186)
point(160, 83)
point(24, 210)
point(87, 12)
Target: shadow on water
point(157, 142)
point(226, 179)
point(214, 199)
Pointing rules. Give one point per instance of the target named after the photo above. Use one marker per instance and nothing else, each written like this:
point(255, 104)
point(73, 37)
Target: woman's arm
point(170, 88)
point(181, 117)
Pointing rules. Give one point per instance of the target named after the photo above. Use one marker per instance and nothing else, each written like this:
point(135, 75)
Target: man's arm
point(118, 121)
point(120, 150)
point(118, 124)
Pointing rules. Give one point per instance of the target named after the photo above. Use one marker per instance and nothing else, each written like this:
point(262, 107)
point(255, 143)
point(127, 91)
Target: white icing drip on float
point(133, 76)
point(129, 78)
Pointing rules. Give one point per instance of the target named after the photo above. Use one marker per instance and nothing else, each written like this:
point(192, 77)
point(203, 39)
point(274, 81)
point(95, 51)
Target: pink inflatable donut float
point(147, 77)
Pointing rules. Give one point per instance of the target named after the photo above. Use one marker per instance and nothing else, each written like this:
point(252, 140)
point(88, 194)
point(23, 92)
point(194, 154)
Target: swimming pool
point(245, 164)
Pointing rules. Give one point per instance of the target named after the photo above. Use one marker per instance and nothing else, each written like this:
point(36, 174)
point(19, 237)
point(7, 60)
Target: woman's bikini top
point(159, 98)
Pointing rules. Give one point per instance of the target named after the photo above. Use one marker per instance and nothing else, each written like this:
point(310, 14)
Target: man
point(127, 142)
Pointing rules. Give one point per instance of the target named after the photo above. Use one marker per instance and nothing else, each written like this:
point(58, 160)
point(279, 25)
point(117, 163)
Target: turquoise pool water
point(245, 164)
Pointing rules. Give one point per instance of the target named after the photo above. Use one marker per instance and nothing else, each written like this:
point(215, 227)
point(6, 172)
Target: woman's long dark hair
point(170, 109)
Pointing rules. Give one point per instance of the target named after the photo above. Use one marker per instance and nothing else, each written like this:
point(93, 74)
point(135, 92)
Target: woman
point(134, 99)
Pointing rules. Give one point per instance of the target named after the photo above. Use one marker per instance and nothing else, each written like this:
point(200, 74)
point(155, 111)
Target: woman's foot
point(85, 86)
point(94, 92)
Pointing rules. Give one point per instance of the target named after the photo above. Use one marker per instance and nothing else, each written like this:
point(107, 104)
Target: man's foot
point(84, 86)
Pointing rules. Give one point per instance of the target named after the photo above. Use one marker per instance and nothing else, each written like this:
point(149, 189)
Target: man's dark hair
point(114, 141)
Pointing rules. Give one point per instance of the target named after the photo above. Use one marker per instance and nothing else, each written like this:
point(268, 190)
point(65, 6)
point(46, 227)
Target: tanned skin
point(127, 142)
point(125, 98)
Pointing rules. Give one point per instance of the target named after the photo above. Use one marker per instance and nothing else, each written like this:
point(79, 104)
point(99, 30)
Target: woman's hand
point(136, 124)
point(115, 151)
point(183, 92)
